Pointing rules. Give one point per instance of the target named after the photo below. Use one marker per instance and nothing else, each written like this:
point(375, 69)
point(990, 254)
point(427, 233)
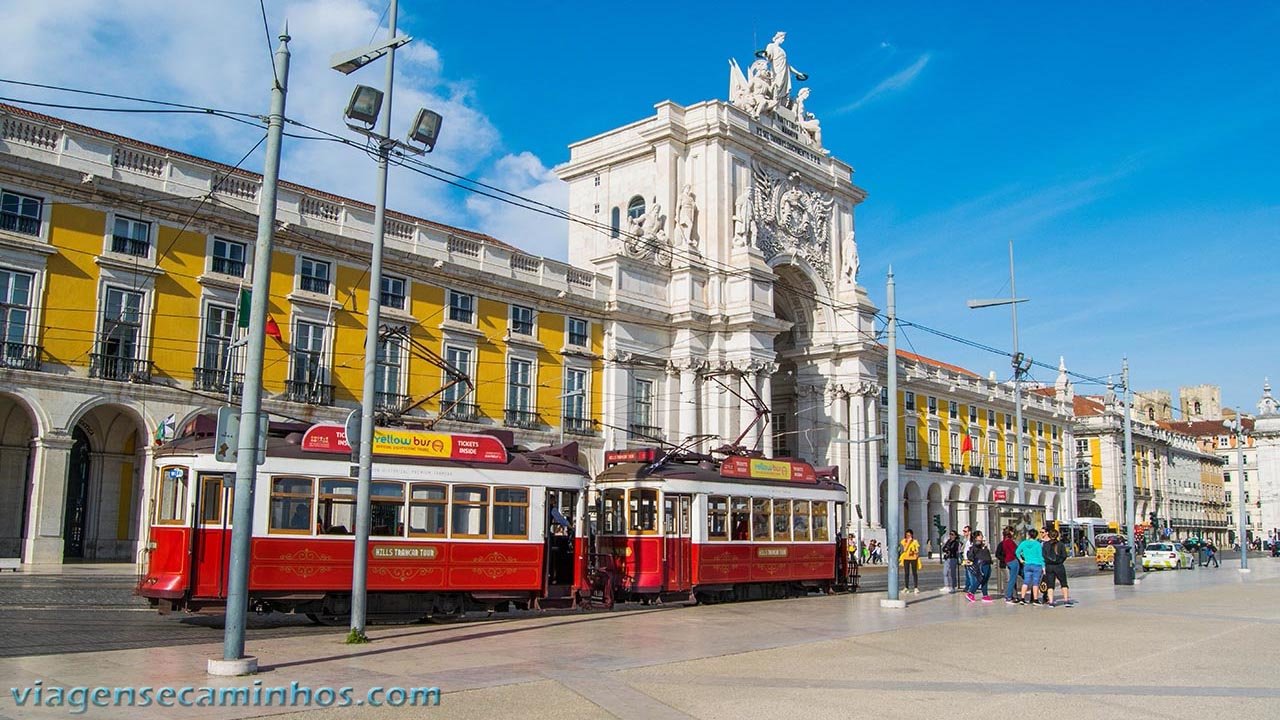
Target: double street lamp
point(1236, 426)
point(1021, 365)
point(364, 110)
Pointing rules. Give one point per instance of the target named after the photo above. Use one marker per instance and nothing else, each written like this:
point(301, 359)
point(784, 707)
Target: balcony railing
point(995, 473)
point(911, 463)
point(311, 283)
point(578, 426)
point(975, 470)
point(227, 266)
point(644, 432)
point(389, 403)
point(1044, 479)
point(111, 367)
point(311, 393)
point(1059, 482)
point(19, 356)
point(25, 224)
point(462, 412)
point(935, 466)
point(527, 419)
point(957, 469)
point(1084, 486)
point(217, 380)
point(130, 246)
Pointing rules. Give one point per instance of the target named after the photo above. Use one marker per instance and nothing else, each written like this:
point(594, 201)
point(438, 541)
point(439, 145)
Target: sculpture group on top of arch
point(765, 89)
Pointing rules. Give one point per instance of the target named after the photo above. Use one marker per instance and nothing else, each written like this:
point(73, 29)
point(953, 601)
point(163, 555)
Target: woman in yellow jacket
point(909, 558)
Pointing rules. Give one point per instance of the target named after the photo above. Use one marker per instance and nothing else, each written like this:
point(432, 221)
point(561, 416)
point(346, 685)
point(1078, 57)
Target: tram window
point(761, 519)
point(337, 509)
point(644, 510)
point(428, 508)
point(669, 522)
point(800, 520)
point(511, 513)
point(291, 505)
point(470, 511)
point(173, 496)
point(386, 509)
point(717, 518)
point(781, 519)
point(740, 518)
point(820, 532)
point(211, 498)
point(615, 512)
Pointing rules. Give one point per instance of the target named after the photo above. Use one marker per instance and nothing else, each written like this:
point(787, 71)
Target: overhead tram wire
point(114, 96)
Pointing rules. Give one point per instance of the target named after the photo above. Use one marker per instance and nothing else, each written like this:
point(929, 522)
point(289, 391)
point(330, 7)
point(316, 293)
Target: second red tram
point(680, 526)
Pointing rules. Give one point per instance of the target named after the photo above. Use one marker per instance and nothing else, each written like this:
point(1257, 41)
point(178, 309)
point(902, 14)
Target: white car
point(1166, 556)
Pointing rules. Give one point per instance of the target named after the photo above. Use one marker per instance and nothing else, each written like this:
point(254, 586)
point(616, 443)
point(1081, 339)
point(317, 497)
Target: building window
point(307, 376)
point(910, 435)
point(933, 405)
point(642, 409)
point(314, 276)
point(1008, 458)
point(579, 332)
point(991, 418)
point(131, 237)
point(120, 337)
point(462, 308)
point(521, 320)
point(1039, 429)
point(15, 314)
point(993, 452)
point(1228, 496)
point(392, 294)
point(519, 392)
point(1008, 421)
point(954, 439)
point(615, 222)
point(1223, 441)
point(953, 410)
point(388, 378)
point(909, 400)
point(228, 257)
point(215, 356)
point(884, 397)
point(934, 451)
point(1026, 458)
point(973, 413)
point(20, 213)
point(635, 208)
point(781, 448)
point(575, 400)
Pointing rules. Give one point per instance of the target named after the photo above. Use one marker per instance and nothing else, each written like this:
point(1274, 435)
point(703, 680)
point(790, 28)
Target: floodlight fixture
point(365, 104)
point(426, 128)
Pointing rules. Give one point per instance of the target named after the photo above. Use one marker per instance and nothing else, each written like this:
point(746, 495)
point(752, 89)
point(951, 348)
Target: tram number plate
point(404, 553)
point(771, 552)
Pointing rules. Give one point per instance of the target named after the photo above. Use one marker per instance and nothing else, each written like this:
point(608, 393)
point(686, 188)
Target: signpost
point(227, 436)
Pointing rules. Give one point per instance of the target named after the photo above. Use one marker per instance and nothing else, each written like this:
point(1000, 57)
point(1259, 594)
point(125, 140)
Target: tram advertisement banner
point(760, 469)
point(332, 438)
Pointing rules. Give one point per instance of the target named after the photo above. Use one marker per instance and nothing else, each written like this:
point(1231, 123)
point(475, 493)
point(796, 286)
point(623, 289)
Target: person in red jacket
point(1007, 555)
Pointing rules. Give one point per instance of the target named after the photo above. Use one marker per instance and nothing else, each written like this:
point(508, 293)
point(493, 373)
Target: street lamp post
point(1236, 426)
point(893, 491)
point(1021, 364)
point(366, 107)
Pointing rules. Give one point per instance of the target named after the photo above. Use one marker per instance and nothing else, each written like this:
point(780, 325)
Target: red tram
point(681, 525)
point(458, 522)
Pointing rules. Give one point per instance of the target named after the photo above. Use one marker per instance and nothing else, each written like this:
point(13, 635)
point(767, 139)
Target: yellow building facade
point(124, 267)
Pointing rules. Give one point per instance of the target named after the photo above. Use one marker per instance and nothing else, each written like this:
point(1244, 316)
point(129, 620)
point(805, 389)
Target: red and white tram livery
point(458, 522)
point(735, 529)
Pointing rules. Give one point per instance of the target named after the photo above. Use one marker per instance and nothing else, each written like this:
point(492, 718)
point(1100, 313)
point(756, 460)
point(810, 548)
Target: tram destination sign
point(332, 438)
point(761, 469)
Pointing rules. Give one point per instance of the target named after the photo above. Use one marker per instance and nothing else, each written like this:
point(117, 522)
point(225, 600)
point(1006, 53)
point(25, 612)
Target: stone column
point(673, 429)
point(43, 543)
point(872, 508)
point(764, 380)
point(857, 464)
point(806, 410)
point(689, 400)
point(841, 447)
point(746, 414)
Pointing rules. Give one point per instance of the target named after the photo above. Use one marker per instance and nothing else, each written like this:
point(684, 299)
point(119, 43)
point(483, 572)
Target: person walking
point(1055, 568)
point(979, 557)
point(966, 541)
point(1213, 555)
point(950, 562)
point(1031, 555)
point(909, 558)
point(1007, 553)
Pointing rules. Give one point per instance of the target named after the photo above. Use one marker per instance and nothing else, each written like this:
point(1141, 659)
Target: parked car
point(1166, 556)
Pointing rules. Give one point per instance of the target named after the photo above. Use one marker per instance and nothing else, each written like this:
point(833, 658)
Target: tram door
point(677, 527)
point(211, 539)
point(562, 506)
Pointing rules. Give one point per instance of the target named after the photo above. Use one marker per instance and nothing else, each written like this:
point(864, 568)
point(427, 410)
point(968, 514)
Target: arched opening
point(635, 207)
point(17, 433)
point(105, 475)
point(1088, 508)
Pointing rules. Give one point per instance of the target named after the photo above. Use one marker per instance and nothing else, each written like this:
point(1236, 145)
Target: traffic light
point(1153, 518)
point(937, 523)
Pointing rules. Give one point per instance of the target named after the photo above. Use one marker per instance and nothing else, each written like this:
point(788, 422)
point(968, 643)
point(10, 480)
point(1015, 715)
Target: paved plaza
point(1185, 644)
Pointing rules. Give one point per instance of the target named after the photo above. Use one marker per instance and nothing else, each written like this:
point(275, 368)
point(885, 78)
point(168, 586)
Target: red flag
point(273, 330)
point(966, 445)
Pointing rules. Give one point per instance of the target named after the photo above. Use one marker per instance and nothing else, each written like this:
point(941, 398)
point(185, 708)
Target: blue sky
point(1129, 150)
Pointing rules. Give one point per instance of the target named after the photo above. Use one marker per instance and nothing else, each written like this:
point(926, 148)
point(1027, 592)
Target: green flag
point(243, 313)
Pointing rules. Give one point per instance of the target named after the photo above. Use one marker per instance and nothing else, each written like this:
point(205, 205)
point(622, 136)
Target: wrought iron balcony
point(911, 463)
point(218, 380)
point(462, 412)
point(227, 266)
point(310, 283)
point(24, 224)
point(995, 473)
point(311, 393)
point(1044, 479)
point(975, 470)
point(644, 432)
point(19, 356)
point(957, 469)
point(389, 403)
point(527, 419)
point(579, 426)
point(130, 246)
point(1084, 486)
point(122, 369)
point(935, 466)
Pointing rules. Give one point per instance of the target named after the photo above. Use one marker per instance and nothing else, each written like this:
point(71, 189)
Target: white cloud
point(897, 81)
point(216, 54)
point(524, 174)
